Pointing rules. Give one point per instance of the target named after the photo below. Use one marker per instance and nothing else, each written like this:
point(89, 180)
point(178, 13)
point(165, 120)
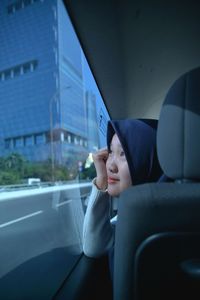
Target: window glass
point(52, 118)
point(28, 140)
point(18, 142)
point(40, 138)
point(8, 143)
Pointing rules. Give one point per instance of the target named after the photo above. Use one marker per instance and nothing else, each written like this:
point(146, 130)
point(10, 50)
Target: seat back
point(167, 266)
point(158, 220)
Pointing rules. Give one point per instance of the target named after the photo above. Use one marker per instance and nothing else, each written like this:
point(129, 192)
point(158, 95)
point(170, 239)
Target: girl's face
point(118, 173)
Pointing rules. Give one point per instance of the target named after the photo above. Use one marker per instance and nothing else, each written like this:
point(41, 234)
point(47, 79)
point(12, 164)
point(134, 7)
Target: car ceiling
point(137, 49)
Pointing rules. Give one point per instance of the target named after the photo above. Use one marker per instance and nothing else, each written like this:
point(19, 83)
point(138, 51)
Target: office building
point(43, 106)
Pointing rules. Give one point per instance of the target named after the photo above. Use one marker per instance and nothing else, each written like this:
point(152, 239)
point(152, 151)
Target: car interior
point(159, 222)
point(144, 56)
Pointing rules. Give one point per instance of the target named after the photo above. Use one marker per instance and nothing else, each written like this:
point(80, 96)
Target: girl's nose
point(113, 167)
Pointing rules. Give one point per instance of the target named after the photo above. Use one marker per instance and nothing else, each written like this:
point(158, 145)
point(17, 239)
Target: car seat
point(157, 242)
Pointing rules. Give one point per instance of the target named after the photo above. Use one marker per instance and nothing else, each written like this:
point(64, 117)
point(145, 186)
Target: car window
point(52, 118)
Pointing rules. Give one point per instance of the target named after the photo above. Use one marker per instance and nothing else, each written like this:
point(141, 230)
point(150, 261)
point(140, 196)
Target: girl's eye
point(122, 153)
point(109, 151)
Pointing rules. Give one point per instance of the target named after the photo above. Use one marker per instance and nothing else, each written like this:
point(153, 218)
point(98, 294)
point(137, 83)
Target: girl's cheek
point(107, 163)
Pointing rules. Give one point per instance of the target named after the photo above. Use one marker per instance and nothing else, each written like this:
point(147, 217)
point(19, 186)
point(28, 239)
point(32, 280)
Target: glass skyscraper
point(43, 101)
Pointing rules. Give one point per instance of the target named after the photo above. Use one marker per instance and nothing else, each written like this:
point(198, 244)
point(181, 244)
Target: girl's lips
point(112, 180)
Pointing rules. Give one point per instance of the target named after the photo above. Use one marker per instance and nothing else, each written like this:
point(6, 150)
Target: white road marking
point(63, 203)
point(21, 219)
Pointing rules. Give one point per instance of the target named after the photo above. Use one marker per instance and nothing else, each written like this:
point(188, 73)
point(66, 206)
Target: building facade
point(43, 100)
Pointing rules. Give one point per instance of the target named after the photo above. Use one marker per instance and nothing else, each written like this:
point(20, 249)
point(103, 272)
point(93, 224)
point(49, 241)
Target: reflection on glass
point(52, 118)
point(52, 106)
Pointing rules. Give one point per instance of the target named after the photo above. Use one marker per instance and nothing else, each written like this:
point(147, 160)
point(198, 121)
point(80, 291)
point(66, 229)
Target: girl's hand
point(100, 158)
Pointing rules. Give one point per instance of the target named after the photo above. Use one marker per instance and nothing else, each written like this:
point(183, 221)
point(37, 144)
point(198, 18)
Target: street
point(37, 224)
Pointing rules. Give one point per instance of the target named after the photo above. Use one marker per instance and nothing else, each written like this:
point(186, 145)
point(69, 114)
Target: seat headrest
point(178, 134)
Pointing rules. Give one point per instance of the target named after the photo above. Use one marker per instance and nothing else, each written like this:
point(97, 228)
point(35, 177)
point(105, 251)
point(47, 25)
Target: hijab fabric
point(138, 140)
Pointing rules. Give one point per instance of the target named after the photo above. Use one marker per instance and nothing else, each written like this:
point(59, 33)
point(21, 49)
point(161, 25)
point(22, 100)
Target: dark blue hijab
point(138, 139)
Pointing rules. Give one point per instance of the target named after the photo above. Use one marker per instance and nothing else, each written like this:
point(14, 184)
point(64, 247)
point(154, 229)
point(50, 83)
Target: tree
point(7, 178)
point(15, 162)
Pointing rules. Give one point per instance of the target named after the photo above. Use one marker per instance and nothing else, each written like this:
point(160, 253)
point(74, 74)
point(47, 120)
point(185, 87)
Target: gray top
point(98, 231)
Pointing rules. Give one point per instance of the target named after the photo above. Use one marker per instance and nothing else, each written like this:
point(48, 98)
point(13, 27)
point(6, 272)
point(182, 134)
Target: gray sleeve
point(98, 235)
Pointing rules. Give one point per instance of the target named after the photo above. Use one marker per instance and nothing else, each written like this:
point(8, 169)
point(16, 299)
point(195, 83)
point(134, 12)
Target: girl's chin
point(113, 192)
